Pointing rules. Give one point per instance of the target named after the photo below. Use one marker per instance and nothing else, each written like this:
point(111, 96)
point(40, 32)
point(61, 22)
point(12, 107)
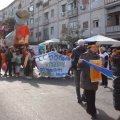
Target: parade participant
point(76, 53)
point(9, 57)
point(33, 63)
point(0, 59)
point(13, 63)
point(28, 66)
point(85, 80)
point(18, 62)
point(105, 63)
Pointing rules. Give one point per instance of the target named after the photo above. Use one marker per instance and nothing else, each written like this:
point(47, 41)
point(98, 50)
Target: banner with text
point(53, 65)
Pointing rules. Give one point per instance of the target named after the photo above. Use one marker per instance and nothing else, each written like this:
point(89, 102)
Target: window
point(27, 23)
point(117, 19)
point(36, 34)
point(39, 33)
point(71, 6)
point(31, 1)
point(73, 25)
point(36, 20)
point(31, 8)
point(85, 25)
point(31, 34)
point(46, 15)
point(84, 2)
point(52, 13)
point(44, 1)
point(52, 30)
point(96, 23)
point(63, 26)
point(64, 8)
point(31, 21)
point(46, 32)
point(94, 0)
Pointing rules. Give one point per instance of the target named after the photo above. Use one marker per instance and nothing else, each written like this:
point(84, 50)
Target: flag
point(104, 71)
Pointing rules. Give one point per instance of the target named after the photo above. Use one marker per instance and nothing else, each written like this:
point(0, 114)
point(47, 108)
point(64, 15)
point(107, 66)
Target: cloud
point(5, 3)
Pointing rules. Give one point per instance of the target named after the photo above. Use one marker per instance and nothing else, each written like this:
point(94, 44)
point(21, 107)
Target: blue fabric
point(104, 71)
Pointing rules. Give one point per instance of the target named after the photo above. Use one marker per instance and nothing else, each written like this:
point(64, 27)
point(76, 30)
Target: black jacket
point(9, 56)
point(76, 53)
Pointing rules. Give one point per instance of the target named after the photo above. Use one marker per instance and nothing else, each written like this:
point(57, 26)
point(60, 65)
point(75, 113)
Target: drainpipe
point(90, 18)
point(57, 19)
point(38, 24)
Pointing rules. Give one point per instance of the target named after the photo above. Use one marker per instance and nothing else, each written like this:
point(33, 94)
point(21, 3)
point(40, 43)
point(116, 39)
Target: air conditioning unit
point(82, 7)
point(62, 14)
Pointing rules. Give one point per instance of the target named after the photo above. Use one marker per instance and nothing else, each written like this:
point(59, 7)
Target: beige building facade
point(49, 17)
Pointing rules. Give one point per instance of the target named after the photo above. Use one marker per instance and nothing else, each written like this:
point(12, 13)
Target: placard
point(94, 74)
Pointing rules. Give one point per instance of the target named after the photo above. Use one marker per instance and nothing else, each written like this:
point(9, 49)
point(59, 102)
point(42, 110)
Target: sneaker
point(5, 75)
point(80, 101)
point(28, 77)
point(94, 117)
point(105, 86)
point(84, 100)
point(101, 84)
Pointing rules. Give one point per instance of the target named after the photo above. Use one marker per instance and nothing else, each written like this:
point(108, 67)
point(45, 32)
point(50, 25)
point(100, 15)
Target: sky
point(5, 3)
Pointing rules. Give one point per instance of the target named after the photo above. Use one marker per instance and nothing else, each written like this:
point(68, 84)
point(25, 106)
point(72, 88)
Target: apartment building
point(49, 17)
point(112, 18)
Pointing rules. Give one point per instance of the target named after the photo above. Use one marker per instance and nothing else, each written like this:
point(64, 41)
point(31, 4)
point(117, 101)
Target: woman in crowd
point(89, 87)
point(33, 63)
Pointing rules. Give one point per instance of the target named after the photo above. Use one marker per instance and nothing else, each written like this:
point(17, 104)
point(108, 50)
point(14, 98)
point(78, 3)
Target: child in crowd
point(17, 60)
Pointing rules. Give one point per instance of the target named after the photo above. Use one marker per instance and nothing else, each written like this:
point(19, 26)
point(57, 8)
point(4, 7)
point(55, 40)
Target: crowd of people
point(14, 58)
point(24, 55)
point(109, 59)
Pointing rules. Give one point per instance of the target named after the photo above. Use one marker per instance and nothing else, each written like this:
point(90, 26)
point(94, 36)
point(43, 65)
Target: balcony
point(113, 29)
point(46, 4)
point(111, 3)
point(46, 37)
point(73, 12)
point(45, 21)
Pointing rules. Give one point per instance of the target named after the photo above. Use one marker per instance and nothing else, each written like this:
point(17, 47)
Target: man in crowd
point(76, 53)
point(105, 63)
point(9, 57)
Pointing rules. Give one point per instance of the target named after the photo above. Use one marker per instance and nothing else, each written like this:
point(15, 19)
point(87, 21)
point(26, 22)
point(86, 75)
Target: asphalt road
point(49, 99)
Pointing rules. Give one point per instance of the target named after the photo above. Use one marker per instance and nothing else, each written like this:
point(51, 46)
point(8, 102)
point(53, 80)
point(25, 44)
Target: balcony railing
point(46, 37)
point(111, 3)
point(113, 29)
point(45, 21)
point(73, 12)
point(46, 4)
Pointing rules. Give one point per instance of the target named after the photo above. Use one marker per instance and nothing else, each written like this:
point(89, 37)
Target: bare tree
point(69, 35)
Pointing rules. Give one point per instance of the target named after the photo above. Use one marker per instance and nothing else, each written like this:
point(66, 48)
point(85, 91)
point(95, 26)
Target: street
point(49, 99)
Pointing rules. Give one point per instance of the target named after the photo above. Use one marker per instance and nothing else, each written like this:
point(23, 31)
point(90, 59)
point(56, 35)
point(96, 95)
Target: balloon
point(4, 66)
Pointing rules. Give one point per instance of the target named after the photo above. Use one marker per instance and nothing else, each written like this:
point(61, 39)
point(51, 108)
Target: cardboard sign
point(94, 74)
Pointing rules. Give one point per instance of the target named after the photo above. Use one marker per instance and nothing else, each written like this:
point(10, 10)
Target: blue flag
point(104, 71)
